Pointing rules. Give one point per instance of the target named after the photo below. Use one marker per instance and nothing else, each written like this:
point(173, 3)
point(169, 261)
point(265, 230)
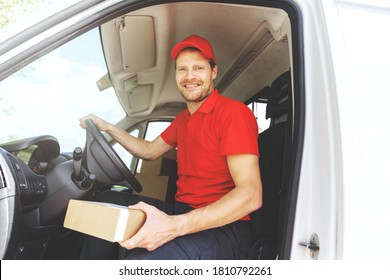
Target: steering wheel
point(101, 160)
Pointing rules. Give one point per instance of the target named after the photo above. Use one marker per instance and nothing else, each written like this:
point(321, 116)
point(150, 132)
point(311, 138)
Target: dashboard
point(25, 167)
point(34, 158)
point(25, 162)
point(44, 147)
point(36, 184)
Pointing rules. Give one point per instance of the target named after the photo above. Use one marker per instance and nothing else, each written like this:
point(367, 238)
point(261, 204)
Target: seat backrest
point(271, 142)
point(169, 168)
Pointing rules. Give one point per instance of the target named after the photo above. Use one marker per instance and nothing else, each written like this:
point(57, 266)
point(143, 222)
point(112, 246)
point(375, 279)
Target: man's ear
point(214, 72)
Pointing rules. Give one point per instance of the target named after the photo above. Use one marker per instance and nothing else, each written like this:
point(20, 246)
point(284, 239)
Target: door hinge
point(313, 246)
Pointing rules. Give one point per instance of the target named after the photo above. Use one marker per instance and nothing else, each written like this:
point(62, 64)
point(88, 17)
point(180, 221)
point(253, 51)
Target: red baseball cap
point(194, 41)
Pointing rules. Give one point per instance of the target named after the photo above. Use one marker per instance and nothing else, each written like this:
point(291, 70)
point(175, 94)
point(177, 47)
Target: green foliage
point(12, 10)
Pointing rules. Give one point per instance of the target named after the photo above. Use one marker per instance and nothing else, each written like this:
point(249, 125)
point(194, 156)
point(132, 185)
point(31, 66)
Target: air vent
point(3, 182)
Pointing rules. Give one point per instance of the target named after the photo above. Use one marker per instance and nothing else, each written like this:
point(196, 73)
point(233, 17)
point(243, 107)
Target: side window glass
point(153, 130)
point(123, 153)
point(259, 108)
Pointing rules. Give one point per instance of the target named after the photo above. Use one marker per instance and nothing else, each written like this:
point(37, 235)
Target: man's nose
point(190, 73)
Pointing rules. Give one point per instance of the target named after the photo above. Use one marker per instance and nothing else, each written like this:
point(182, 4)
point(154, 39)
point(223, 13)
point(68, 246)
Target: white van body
point(344, 183)
point(341, 207)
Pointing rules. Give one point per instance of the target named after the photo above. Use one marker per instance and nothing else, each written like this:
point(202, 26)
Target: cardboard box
point(103, 220)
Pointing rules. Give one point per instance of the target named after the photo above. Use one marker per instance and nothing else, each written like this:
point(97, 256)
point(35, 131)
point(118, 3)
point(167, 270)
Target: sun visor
point(138, 44)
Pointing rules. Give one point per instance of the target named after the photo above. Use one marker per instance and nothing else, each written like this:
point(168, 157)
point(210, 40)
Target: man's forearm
point(136, 146)
point(232, 207)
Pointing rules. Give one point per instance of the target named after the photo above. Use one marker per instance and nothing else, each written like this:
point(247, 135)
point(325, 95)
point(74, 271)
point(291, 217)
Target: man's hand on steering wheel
point(101, 159)
point(100, 124)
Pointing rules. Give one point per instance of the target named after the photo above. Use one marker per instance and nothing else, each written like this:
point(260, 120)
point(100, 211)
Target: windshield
point(51, 94)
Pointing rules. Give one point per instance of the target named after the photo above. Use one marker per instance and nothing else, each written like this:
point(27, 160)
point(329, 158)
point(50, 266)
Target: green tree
point(12, 10)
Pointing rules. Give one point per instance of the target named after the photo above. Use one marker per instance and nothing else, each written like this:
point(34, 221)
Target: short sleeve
point(238, 130)
point(169, 135)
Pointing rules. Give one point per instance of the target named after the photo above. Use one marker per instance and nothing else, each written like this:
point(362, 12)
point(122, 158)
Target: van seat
point(271, 143)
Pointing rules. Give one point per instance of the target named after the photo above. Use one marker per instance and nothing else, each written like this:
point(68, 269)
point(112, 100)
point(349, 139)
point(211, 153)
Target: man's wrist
point(109, 128)
point(181, 223)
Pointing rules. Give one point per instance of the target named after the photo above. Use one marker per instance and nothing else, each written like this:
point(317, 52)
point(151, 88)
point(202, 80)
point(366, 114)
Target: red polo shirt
point(220, 127)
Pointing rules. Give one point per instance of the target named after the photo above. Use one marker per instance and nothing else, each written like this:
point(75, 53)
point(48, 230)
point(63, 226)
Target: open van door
point(342, 205)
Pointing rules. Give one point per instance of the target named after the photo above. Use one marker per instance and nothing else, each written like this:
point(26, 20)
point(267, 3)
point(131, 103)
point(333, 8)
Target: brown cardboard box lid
point(103, 220)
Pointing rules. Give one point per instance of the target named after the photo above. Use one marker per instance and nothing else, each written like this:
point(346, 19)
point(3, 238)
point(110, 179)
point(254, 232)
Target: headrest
point(279, 99)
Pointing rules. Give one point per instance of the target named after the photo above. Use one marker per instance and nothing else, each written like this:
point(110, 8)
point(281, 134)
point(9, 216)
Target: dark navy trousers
point(232, 241)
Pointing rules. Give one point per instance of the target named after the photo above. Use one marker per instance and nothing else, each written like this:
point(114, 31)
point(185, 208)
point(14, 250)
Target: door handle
point(313, 246)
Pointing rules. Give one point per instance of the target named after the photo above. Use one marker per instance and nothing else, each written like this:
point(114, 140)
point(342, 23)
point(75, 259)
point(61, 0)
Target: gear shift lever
point(77, 155)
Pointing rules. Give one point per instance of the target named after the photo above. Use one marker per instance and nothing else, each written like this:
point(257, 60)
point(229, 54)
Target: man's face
point(194, 76)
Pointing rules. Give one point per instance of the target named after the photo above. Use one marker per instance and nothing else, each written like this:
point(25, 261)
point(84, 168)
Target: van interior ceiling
point(255, 51)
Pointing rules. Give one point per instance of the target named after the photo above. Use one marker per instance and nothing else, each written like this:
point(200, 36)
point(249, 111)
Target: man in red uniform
point(218, 183)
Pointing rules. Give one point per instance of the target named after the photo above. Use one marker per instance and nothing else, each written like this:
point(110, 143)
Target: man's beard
point(200, 96)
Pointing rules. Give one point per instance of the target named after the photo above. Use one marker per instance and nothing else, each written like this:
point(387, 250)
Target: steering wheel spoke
point(103, 161)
